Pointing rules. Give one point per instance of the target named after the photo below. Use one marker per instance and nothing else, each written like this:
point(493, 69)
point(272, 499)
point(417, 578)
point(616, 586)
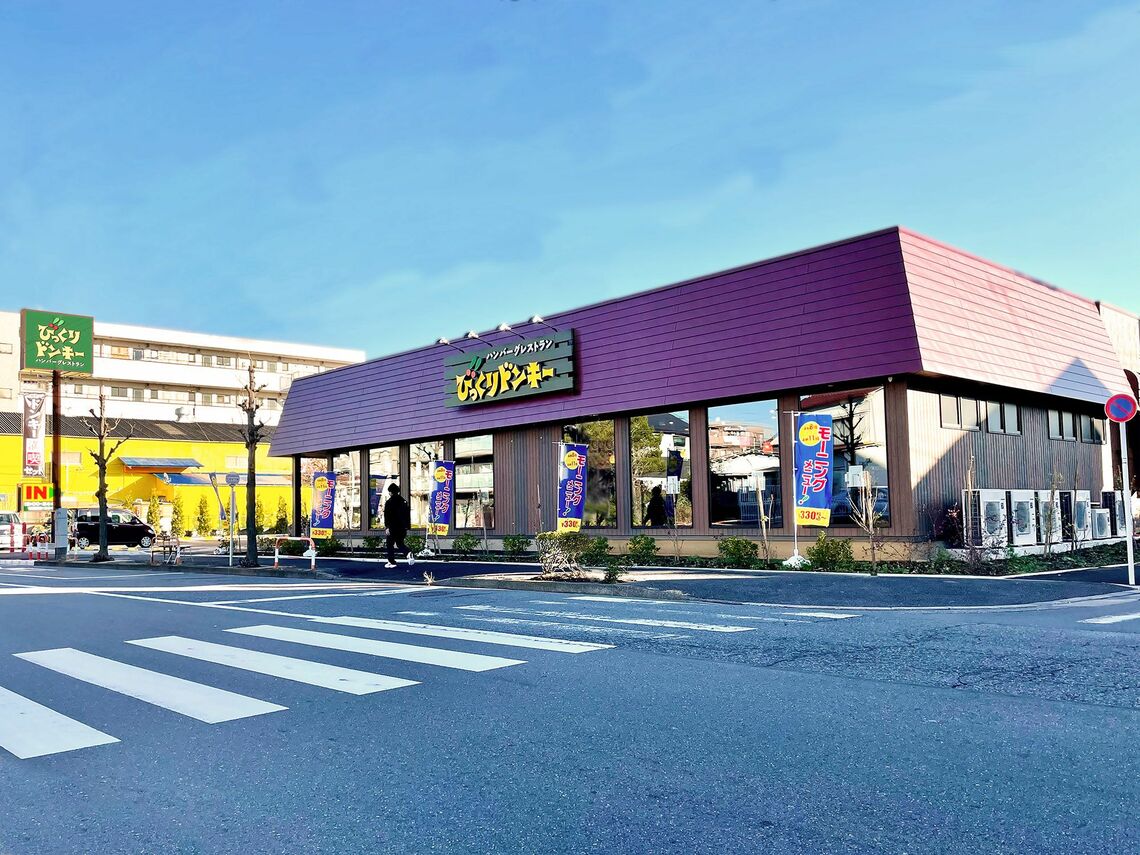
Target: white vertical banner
point(34, 425)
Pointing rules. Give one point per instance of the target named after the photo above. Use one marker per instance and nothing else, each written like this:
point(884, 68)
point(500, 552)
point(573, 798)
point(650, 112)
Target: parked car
point(123, 528)
point(11, 531)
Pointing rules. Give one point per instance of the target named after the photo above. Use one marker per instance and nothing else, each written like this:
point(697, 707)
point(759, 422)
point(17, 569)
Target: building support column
point(297, 522)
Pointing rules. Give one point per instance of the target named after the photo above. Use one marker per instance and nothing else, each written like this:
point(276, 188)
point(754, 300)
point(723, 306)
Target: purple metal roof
point(741, 333)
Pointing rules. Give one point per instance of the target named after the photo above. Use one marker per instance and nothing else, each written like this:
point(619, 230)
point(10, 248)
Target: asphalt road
point(669, 727)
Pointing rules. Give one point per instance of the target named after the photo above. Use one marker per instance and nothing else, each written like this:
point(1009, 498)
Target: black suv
point(123, 528)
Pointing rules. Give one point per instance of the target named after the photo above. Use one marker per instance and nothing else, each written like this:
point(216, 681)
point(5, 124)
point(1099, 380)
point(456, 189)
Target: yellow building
point(176, 464)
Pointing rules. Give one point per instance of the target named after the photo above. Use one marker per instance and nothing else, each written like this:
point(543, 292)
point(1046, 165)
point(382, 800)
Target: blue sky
point(378, 174)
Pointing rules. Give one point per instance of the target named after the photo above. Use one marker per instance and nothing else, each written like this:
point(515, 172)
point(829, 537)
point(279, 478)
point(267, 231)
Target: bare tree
point(102, 429)
point(252, 434)
point(869, 518)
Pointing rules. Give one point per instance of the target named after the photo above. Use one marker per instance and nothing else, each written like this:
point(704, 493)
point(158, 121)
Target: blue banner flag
point(814, 449)
point(324, 496)
point(442, 496)
point(571, 486)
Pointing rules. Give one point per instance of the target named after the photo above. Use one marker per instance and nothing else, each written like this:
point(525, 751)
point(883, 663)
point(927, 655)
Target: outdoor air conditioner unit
point(1048, 516)
point(988, 527)
point(1102, 523)
point(1113, 501)
point(1065, 497)
point(1022, 506)
point(1082, 515)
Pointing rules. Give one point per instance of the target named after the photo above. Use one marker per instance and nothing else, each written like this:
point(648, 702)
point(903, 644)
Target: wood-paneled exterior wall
point(941, 457)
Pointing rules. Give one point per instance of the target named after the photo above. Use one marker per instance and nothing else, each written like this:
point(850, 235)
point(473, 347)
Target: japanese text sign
point(571, 485)
point(442, 496)
point(814, 464)
point(55, 342)
point(34, 434)
point(512, 370)
point(324, 497)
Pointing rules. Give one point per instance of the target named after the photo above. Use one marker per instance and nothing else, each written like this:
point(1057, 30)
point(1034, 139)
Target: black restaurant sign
point(533, 366)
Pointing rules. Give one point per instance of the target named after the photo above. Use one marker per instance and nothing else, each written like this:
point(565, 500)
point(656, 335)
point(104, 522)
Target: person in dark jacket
point(655, 511)
point(398, 519)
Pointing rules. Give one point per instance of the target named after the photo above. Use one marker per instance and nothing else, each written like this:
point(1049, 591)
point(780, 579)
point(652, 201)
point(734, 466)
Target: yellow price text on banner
point(570, 525)
point(438, 528)
point(813, 516)
point(320, 533)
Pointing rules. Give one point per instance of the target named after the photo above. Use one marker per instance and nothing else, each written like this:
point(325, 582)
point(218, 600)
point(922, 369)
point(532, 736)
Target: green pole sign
point(55, 342)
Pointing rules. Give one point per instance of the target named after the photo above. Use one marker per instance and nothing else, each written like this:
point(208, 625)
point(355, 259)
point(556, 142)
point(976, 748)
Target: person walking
point(397, 519)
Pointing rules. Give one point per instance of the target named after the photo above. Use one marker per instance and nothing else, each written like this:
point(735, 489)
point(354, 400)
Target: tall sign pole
point(56, 440)
point(1121, 409)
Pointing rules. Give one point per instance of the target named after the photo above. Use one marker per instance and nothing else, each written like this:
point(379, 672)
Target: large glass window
point(346, 510)
point(475, 482)
point(601, 471)
point(859, 426)
point(383, 469)
point(420, 454)
point(744, 464)
point(661, 475)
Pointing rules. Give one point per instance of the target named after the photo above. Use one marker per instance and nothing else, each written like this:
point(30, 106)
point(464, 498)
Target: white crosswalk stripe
point(671, 624)
point(339, 679)
point(195, 700)
point(387, 649)
point(1106, 619)
point(485, 636)
point(28, 729)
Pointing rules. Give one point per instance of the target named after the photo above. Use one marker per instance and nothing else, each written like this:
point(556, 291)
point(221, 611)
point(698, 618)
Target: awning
point(202, 479)
point(160, 464)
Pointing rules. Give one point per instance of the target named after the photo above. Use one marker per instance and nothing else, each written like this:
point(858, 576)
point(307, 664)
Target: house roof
point(891, 302)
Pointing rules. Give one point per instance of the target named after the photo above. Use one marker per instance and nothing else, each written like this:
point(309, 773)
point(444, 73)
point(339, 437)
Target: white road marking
point(575, 627)
point(28, 729)
point(630, 600)
point(1112, 618)
point(387, 649)
point(420, 614)
point(195, 700)
point(286, 667)
point(484, 636)
point(827, 615)
point(314, 597)
point(669, 624)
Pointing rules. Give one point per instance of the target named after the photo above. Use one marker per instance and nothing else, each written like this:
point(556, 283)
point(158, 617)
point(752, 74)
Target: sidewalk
point(784, 587)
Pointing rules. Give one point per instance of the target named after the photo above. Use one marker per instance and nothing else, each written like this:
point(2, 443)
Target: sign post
point(1121, 409)
point(232, 479)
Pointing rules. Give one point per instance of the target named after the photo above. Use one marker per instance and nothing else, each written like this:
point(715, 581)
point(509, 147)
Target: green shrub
point(516, 544)
point(465, 544)
point(415, 543)
point(642, 549)
point(615, 567)
point(596, 552)
point(326, 547)
point(203, 522)
point(831, 554)
point(737, 552)
point(372, 543)
point(291, 547)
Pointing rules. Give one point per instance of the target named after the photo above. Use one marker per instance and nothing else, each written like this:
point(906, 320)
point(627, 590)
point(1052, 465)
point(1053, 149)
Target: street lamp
point(475, 335)
point(504, 327)
point(448, 343)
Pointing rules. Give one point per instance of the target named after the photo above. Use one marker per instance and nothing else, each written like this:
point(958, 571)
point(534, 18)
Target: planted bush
point(642, 549)
point(372, 543)
point(465, 544)
point(326, 547)
point(415, 543)
point(831, 554)
point(560, 552)
point(596, 552)
point(516, 544)
point(737, 552)
point(615, 566)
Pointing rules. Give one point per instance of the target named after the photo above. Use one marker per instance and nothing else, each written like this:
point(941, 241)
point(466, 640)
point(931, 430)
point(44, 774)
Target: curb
point(270, 572)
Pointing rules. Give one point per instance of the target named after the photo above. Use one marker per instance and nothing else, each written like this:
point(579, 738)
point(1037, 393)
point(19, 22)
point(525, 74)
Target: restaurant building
point(941, 371)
